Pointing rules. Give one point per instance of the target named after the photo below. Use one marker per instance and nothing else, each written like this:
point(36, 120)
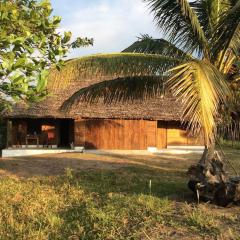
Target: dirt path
point(54, 164)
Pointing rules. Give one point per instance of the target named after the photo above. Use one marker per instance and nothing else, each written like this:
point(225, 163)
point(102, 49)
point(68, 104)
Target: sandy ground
point(55, 164)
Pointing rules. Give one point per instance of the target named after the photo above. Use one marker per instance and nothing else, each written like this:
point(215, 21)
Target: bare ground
point(55, 164)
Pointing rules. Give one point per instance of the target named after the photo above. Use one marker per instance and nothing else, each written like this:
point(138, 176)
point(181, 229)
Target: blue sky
point(114, 24)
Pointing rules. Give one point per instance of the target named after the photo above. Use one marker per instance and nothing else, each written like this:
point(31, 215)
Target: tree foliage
point(29, 45)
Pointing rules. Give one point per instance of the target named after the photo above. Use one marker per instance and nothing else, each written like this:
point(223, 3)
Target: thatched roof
point(160, 108)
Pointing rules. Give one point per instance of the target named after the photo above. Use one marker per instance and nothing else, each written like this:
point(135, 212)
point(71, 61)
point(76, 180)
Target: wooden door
point(161, 135)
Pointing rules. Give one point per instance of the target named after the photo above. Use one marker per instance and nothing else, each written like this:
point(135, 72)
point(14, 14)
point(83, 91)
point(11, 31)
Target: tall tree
point(29, 45)
point(194, 61)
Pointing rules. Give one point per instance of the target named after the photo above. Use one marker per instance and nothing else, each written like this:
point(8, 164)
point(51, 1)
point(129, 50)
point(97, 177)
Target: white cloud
point(114, 25)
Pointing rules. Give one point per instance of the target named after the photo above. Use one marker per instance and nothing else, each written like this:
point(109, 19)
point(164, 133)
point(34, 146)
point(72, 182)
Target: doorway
point(66, 127)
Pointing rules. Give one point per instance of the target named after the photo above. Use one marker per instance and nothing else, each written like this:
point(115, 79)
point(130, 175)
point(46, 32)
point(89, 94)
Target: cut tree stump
point(211, 183)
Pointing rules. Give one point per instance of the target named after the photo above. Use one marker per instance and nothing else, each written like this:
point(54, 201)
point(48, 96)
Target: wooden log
point(210, 183)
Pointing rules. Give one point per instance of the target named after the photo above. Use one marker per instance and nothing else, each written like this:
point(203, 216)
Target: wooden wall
point(161, 137)
point(178, 136)
point(115, 134)
point(130, 134)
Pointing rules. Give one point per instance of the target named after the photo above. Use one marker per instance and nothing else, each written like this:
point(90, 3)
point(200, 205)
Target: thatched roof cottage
point(131, 125)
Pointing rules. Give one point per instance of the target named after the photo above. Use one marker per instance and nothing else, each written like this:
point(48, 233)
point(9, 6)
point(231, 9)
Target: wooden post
point(9, 133)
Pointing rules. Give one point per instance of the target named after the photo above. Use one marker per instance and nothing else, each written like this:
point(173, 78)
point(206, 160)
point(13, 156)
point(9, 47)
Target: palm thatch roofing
point(63, 84)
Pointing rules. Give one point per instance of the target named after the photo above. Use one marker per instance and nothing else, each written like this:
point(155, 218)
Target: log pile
point(210, 182)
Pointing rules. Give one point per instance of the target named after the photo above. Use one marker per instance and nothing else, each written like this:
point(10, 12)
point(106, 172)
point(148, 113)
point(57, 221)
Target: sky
point(113, 24)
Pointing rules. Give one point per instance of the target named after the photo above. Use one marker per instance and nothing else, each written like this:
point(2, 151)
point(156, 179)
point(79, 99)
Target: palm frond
point(180, 22)
point(201, 87)
point(226, 66)
point(119, 90)
point(227, 34)
point(147, 44)
point(209, 13)
point(113, 65)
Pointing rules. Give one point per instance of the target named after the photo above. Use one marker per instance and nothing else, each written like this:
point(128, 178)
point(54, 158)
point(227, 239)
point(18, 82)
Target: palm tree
point(194, 62)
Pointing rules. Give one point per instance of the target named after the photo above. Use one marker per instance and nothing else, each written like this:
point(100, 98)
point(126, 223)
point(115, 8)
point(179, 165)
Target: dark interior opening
point(34, 126)
point(66, 133)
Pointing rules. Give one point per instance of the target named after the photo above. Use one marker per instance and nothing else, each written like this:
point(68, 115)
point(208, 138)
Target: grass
point(112, 204)
point(230, 144)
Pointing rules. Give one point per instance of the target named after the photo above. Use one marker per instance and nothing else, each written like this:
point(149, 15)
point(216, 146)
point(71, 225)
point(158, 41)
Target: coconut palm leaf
point(227, 34)
point(209, 13)
point(201, 87)
point(115, 65)
point(147, 44)
point(180, 22)
point(119, 90)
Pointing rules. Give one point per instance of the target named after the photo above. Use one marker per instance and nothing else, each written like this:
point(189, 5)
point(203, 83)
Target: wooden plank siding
point(161, 135)
point(151, 128)
point(115, 134)
point(79, 132)
point(130, 134)
point(178, 136)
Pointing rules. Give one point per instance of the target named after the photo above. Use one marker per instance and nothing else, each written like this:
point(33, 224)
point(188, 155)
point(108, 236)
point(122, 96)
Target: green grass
point(111, 204)
point(230, 144)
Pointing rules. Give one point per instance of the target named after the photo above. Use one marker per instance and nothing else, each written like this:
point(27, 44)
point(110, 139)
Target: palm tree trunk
point(208, 155)
point(209, 181)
